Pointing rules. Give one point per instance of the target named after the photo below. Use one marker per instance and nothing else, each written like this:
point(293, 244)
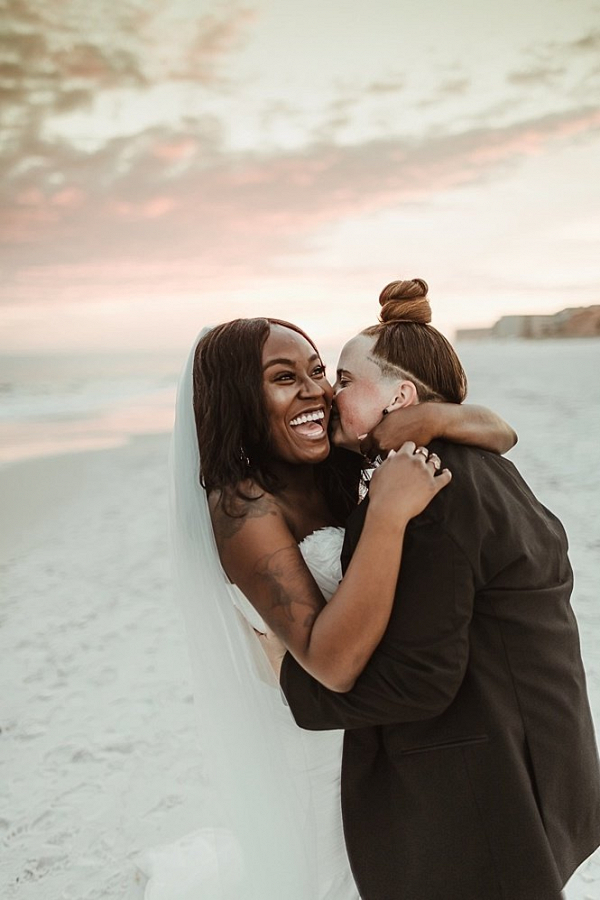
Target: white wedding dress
point(186, 869)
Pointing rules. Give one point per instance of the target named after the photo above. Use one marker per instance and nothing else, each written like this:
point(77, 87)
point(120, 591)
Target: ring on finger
point(436, 461)
point(423, 451)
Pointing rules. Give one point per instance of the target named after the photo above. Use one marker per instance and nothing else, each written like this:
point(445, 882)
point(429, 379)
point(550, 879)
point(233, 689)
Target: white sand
point(98, 745)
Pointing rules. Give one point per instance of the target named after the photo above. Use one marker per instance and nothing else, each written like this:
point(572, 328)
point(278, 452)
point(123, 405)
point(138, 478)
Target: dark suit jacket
point(470, 769)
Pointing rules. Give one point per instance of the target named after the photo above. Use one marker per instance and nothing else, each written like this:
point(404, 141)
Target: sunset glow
point(171, 164)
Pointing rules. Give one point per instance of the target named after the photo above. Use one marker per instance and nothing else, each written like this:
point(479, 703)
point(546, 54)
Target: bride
point(258, 502)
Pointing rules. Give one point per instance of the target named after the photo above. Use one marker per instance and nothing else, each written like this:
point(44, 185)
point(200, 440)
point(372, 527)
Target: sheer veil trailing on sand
point(260, 847)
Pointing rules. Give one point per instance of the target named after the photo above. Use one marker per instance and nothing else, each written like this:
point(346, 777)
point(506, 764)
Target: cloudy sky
point(165, 163)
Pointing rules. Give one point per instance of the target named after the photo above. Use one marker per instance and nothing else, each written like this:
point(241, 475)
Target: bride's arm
point(332, 641)
point(459, 423)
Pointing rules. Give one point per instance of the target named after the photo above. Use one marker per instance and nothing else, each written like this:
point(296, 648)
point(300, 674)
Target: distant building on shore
point(580, 321)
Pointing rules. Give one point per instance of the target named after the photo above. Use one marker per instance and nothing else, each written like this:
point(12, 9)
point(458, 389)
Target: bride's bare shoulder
point(231, 507)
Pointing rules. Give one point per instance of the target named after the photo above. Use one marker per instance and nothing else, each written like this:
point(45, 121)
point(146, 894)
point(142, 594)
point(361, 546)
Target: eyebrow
point(343, 372)
point(280, 361)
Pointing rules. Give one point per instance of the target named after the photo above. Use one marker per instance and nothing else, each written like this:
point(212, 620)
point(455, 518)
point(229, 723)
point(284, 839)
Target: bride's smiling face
point(297, 396)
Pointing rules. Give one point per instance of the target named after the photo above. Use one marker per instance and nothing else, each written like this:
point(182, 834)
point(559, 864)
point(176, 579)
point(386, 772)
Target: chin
point(311, 457)
point(323, 453)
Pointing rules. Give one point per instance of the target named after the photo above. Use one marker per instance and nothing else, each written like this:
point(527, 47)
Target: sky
point(172, 163)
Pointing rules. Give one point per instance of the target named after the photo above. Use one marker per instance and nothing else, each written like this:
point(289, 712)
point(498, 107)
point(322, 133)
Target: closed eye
point(342, 378)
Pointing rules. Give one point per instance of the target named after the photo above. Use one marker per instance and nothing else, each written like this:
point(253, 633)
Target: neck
point(301, 477)
point(301, 500)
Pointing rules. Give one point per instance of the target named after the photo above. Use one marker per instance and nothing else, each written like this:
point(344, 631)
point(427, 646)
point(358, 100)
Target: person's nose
point(310, 387)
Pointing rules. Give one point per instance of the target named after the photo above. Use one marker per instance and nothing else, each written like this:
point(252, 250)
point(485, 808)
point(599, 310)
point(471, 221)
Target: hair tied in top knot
point(405, 301)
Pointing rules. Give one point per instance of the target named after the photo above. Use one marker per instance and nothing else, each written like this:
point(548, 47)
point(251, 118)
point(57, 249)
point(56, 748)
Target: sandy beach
point(98, 751)
point(99, 756)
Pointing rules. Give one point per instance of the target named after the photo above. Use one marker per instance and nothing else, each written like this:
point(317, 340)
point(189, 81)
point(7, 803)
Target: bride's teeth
point(308, 417)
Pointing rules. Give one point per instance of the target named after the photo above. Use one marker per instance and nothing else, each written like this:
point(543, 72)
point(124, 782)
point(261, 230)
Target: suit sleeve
point(419, 666)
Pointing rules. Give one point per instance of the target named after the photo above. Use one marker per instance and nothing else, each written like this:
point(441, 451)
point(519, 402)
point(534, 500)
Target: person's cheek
point(348, 415)
point(367, 410)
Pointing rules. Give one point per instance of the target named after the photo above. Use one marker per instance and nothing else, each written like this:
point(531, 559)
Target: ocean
point(49, 404)
point(52, 404)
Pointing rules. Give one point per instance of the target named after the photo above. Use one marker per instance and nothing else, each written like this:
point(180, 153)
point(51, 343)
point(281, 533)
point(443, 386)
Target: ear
point(404, 395)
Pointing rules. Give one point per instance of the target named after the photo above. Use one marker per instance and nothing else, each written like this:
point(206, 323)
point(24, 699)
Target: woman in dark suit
point(470, 769)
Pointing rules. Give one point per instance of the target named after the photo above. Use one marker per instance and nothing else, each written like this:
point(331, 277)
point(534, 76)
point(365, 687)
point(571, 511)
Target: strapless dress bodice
point(321, 551)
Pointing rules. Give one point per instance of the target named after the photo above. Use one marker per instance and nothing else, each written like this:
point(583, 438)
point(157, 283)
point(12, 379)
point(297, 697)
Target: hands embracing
point(406, 482)
point(420, 423)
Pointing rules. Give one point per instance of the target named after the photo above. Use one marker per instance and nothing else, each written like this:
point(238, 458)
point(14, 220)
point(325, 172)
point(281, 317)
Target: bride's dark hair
point(406, 341)
point(232, 424)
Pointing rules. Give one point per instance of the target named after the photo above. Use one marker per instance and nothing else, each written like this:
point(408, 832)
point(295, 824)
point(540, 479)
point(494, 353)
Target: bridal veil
point(260, 848)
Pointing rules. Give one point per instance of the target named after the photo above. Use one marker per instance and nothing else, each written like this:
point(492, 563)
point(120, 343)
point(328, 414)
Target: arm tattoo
point(279, 575)
point(226, 526)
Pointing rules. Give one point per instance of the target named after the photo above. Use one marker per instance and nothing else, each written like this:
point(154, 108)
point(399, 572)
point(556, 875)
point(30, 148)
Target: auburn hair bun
point(405, 301)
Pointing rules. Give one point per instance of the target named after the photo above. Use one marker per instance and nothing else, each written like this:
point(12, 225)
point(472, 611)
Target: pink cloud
point(158, 207)
point(175, 151)
point(532, 140)
point(68, 197)
point(215, 37)
point(31, 197)
point(149, 229)
point(149, 209)
point(59, 61)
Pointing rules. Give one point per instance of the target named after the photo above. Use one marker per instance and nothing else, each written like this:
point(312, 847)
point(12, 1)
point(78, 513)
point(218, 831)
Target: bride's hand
point(406, 482)
point(273, 648)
